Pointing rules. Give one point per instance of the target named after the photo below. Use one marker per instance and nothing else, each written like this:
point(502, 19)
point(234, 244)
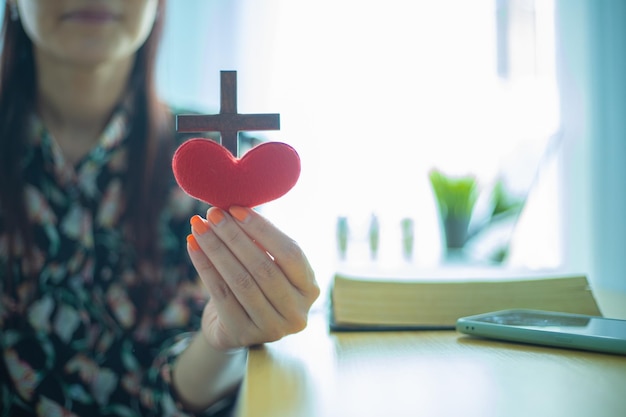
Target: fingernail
point(199, 225)
point(193, 243)
point(216, 216)
point(240, 213)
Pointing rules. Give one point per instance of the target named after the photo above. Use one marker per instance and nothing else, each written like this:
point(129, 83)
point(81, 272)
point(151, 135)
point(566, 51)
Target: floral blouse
point(74, 343)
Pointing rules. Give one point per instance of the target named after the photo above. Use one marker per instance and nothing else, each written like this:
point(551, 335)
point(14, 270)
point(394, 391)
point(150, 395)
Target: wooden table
point(429, 373)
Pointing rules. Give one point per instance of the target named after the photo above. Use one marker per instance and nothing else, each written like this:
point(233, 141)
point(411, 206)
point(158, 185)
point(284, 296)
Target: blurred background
point(484, 131)
point(526, 98)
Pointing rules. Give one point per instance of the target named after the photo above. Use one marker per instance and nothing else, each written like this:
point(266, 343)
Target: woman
point(100, 310)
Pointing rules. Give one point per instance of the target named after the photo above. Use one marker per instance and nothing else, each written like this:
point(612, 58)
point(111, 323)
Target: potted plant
point(456, 197)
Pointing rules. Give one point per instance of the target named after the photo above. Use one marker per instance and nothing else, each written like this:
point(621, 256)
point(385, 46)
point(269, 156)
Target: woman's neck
point(75, 104)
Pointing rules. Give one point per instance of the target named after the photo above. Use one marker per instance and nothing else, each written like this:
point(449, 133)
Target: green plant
point(503, 203)
point(456, 198)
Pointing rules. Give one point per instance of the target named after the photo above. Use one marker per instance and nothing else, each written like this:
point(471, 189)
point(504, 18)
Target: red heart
point(207, 171)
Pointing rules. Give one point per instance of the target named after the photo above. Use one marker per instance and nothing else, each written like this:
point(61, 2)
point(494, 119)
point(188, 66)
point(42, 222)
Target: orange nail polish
point(193, 243)
point(240, 213)
point(199, 225)
point(216, 216)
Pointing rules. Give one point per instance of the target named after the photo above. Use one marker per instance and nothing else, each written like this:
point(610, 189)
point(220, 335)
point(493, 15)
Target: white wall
point(592, 70)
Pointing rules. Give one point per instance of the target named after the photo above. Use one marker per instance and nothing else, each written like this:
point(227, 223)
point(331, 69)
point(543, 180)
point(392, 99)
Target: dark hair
point(148, 139)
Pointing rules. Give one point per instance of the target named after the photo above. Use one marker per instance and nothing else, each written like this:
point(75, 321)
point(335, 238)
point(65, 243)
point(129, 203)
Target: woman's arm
point(261, 287)
point(203, 375)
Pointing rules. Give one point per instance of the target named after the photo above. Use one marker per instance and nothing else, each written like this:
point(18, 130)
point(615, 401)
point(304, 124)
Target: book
point(435, 298)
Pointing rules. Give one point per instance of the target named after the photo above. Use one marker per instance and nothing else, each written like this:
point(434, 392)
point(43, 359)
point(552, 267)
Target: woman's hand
point(260, 282)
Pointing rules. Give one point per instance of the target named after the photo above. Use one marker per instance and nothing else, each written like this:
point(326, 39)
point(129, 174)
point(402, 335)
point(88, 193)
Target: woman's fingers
point(227, 270)
point(225, 322)
point(284, 250)
point(228, 312)
point(276, 284)
point(261, 283)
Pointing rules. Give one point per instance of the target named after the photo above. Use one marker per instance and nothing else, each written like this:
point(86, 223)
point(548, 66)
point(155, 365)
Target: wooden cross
point(228, 122)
